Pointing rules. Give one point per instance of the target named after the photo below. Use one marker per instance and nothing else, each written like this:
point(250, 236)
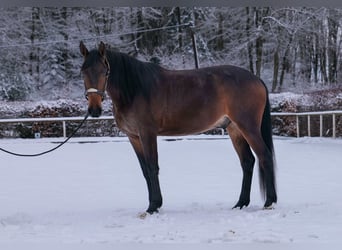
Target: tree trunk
point(34, 68)
point(332, 46)
point(249, 42)
point(134, 35)
point(285, 63)
point(258, 52)
point(259, 43)
point(179, 21)
point(275, 69)
point(294, 73)
point(315, 57)
point(140, 25)
point(220, 42)
point(65, 52)
point(323, 64)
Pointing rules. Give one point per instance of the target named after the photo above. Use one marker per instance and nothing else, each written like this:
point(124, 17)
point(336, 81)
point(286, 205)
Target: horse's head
point(95, 71)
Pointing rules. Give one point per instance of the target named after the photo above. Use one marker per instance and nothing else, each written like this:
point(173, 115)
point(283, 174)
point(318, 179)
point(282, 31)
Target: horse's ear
point(102, 49)
point(83, 49)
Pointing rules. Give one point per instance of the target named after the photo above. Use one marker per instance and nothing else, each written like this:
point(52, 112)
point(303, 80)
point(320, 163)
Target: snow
point(91, 191)
point(300, 99)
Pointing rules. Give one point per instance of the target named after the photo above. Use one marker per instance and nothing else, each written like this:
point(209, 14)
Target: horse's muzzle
point(95, 112)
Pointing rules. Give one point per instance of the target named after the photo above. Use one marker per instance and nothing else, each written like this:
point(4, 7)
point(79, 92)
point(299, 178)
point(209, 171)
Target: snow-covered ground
point(92, 190)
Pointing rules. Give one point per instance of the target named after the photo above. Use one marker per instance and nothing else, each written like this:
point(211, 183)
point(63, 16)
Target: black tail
point(266, 132)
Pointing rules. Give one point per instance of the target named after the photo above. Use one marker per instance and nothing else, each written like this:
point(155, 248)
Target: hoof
point(154, 207)
point(146, 214)
point(270, 207)
point(143, 215)
point(241, 204)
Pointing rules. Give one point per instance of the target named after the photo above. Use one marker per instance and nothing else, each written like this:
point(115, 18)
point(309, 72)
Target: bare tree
point(288, 47)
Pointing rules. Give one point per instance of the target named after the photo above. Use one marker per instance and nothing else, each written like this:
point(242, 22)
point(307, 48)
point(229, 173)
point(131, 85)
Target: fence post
point(64, 129)
point(334, 125)
point(309, 126)
point(194, 44)
point(297, 126)
point(321, 125)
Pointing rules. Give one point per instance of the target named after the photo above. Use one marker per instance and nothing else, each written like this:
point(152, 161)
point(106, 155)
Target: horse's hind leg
point(247, 161)
point(266, 164)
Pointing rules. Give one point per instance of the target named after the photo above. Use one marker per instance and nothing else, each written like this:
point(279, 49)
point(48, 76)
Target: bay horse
point(149, 100)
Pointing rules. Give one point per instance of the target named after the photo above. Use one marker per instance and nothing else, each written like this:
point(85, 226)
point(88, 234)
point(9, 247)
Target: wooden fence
point(64, 120)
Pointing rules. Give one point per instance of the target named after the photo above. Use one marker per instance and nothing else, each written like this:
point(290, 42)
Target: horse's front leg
point(146, 150)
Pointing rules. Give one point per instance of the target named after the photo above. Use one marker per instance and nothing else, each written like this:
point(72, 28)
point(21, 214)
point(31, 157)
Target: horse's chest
point(126, 124)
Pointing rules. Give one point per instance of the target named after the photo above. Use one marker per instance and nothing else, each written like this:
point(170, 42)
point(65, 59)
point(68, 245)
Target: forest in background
point(292, 49)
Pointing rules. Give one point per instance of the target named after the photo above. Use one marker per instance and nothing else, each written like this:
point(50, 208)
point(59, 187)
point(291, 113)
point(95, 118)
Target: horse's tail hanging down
point(266, 132)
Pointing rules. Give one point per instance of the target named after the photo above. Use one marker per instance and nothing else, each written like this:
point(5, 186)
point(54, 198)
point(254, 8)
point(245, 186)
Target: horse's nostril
point(95, 112)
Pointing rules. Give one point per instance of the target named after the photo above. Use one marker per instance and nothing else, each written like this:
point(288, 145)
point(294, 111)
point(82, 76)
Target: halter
point(96, 91)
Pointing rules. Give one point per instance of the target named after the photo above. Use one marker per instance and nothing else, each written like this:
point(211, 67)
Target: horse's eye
point(102, 72)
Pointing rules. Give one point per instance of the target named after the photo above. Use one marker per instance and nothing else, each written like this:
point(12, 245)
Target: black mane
point(131, 77)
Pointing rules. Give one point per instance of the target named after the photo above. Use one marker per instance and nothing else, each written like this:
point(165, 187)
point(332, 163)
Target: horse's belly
point(193, 126)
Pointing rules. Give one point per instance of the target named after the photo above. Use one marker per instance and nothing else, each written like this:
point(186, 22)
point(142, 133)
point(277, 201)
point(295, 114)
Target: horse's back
point(237, 87)
point(231, 74)
point(192, 101)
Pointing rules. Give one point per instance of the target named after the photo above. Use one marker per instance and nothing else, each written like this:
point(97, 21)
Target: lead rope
point(50, 150)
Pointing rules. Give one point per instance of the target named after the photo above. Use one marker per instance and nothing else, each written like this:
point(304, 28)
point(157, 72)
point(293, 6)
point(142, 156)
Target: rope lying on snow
point(50, 150)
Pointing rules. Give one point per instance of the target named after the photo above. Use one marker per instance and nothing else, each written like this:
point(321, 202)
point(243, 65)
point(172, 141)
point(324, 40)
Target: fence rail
point(64, 120)
point(309, 114)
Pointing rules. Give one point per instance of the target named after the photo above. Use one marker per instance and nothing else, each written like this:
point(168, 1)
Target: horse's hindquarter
point(193, 101)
